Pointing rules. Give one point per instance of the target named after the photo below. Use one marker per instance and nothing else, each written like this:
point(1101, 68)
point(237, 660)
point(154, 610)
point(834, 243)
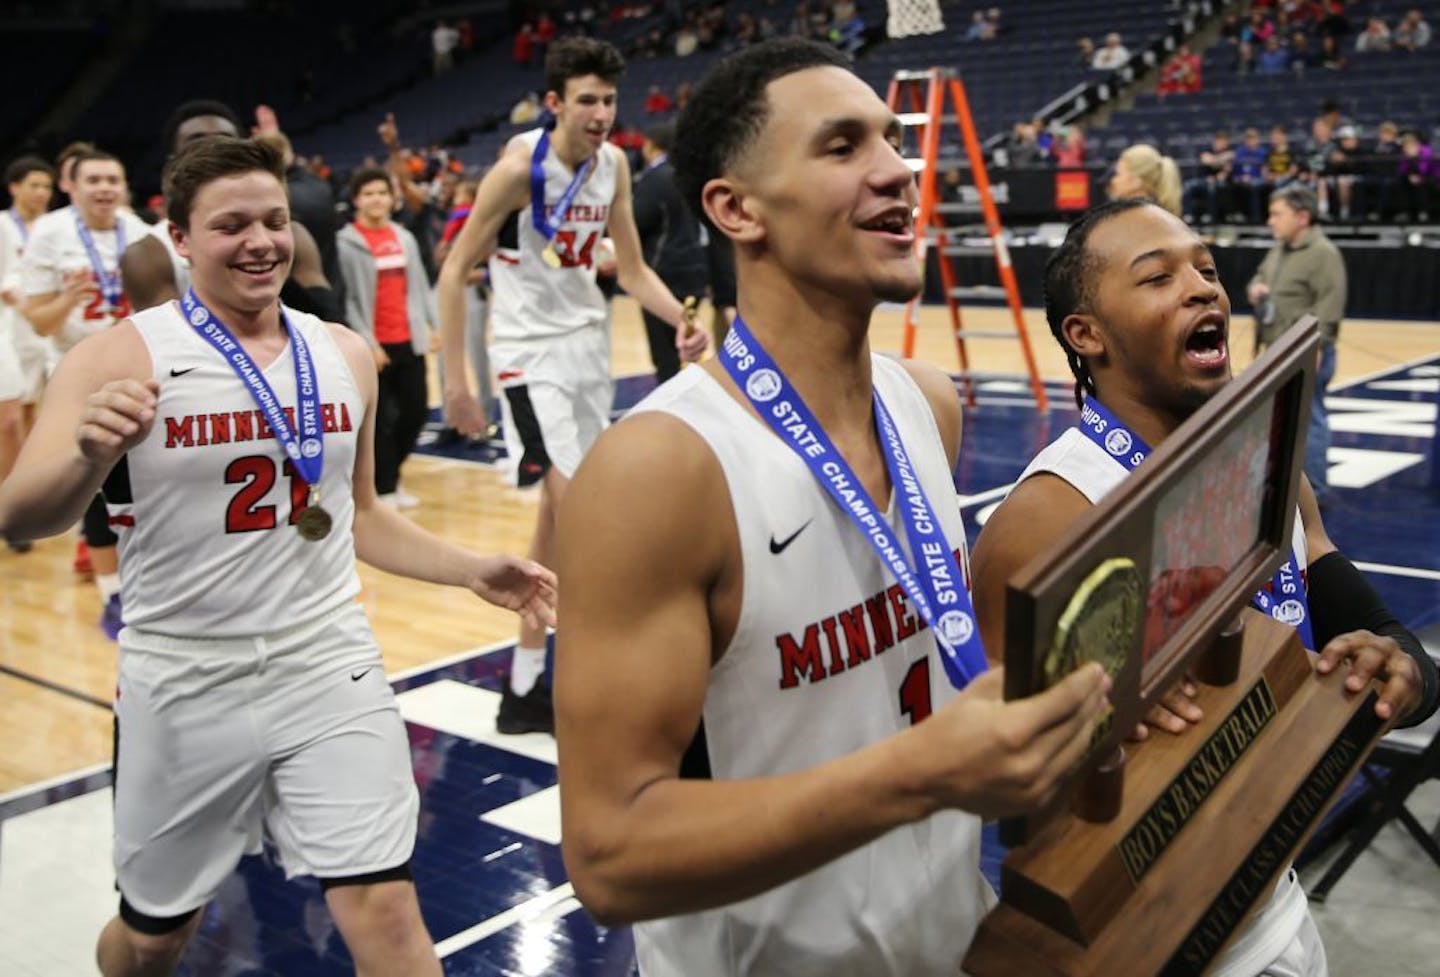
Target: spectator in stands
point(1346, 161)
point(1273, 59)
point(1334, 23)
point(1248, 177)
point(1142, 172)
point(544, 34)
point(525, 111)
point(977, 28)
point(993, 29)
point(1331, 57)
point(1374, 39)
point(1069, 148)
point(687, 40)
point(443, 40)
point(1381, 170)
point(682, 95)
point(1112, 54)
point(746, 30)
point(1020, 147)
point(1303, 274)
point(1315, 163)
point(1217, 165)
point(1302, 55)
point(524, 50)
point(1245, 58)
point(418, 210)
point(1280, 164)
point(1259, 29)
point(1181, 74)
point(657, 102)
point(1086, 56)
point(1412, 33)
point(1417, 172)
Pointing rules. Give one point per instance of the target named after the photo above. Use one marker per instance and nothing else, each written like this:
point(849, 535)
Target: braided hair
point(1068, 286)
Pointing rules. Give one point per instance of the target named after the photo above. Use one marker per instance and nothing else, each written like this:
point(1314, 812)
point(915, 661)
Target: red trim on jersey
point(122, 520)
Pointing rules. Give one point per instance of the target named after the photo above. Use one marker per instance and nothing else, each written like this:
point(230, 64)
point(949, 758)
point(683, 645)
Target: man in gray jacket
point(386, 302)
point(1302, 274)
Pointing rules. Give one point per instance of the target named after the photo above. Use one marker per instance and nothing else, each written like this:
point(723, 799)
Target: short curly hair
point(576, 57)
point(728, 109)
point(1068, 282)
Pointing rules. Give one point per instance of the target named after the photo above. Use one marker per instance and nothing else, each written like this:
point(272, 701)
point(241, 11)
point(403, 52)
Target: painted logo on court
point(1290, 612)
point(1118, 442)
point(956, 627)
point(763, 385)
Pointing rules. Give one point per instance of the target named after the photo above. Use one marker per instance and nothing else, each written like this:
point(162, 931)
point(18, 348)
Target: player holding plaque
point(539, 218)
point(1134, 298)
point(234, 440)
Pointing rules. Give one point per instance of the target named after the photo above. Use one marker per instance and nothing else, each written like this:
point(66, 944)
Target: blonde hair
point(1157, 174)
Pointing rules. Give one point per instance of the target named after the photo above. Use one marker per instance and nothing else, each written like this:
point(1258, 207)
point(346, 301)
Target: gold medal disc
point(313, 523)
point(1100, 622)
point(550, 256)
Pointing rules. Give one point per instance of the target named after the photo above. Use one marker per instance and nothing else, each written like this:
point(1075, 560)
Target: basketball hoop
point(909, 18)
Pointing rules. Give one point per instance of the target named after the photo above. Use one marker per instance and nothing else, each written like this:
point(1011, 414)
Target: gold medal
point(550, 256)
point(313, 523)
point(1100, 622)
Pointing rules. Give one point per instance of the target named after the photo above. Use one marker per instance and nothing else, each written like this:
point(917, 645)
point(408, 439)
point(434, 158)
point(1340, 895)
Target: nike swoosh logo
point(357, 676)
point(180, 373)
point(778, 548)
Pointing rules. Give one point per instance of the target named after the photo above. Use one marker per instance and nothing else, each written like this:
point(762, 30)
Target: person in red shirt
point(385, 302)
point(1181, 74)
point(657, 102)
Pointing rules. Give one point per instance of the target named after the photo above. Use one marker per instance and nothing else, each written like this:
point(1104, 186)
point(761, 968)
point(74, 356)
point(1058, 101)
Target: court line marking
point(57, 781)
point(65, 690)
point(1397, 369)
point(529, 910)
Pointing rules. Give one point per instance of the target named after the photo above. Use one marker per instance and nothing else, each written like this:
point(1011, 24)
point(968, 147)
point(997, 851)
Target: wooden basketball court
point(57, 671)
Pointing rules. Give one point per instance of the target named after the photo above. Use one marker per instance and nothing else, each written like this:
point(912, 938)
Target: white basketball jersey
point(531, 300)
point(828, 657)
point(203, 506)
point(55, 248)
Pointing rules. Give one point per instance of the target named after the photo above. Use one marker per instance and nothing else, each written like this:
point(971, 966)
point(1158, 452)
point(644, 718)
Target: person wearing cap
point(1303, 274)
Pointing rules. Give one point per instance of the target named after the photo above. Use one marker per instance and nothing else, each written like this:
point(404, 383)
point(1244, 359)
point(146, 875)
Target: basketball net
point(911, 17)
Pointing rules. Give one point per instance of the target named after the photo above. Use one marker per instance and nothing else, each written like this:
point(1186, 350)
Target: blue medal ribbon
point(549, 226)
point(110, 284)
point(20, 225)
point(1283, 598)
point(307, 452)
point(937, 590)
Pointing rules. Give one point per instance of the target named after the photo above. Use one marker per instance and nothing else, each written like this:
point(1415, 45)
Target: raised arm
point(639, 279)
point(99, 403)
point(504, 190)
point(388, 541)
point(643, 619)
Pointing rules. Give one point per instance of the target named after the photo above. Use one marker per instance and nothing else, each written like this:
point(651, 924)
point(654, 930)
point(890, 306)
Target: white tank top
point(530, 299)
point(202, 506)
point(55, 248)
point(1094, 474)
point(827, 655)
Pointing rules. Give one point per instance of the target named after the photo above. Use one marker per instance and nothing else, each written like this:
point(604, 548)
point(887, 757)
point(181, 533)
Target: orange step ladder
point(925, 112)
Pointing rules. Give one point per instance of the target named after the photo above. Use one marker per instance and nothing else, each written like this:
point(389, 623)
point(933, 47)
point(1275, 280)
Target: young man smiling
point(1134, 299)
point(234, 439)
point(743, 667)
point(538, 217)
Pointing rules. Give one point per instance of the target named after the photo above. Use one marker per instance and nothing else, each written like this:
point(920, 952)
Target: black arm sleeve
point(1342, 600)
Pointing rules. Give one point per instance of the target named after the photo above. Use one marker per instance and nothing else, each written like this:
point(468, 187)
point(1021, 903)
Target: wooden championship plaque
point(1161, 850)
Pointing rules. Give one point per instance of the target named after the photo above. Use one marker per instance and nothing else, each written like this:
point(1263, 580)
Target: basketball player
point(538, 217)
point(1134, 298)
point(71, 279)
point(154, 272)
point(742, 676)
point(31, 183)
point(250, 685)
